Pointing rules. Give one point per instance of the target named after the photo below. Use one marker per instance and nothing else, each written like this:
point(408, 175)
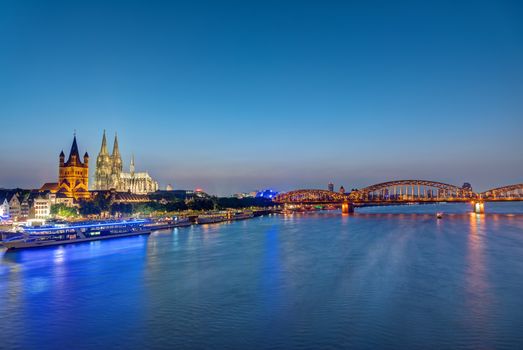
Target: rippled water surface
point(382, 278)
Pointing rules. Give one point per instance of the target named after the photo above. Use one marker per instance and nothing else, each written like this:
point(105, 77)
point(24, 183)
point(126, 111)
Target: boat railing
point(14, 238)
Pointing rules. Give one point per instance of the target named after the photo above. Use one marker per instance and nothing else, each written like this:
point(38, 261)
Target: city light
point(75, 226)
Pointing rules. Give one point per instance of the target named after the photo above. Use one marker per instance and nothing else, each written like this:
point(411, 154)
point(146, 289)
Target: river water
point(391, 278)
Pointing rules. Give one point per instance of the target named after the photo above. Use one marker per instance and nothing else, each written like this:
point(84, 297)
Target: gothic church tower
point(73, 175)
point(104, 163)
point(117, 165)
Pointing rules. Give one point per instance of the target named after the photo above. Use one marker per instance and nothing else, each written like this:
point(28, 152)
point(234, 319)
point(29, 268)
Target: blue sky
point(236, 96)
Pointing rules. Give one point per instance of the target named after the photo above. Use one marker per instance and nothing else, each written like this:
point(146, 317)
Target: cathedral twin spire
point(103, 148)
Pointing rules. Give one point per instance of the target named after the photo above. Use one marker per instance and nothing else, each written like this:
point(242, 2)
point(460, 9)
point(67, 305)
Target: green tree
point(63, 211)
point(103, 202)
point(89, 208)
point(121, 208)
point(147, 208)
point(201, 204)
point(176, 206)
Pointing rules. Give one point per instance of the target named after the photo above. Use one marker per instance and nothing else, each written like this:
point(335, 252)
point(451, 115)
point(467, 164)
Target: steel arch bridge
point(412, 191)
point(401, 192)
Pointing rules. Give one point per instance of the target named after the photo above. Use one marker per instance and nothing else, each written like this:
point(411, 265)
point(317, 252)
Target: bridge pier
point(478, 207)
point(347, 208)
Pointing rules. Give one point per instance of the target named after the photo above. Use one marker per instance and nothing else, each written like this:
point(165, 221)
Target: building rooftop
point(49, 186)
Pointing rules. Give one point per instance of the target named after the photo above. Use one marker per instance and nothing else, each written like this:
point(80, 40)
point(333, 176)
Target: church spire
point(131, 168)
point(117, 160)
point(74, 151)
point(116, 150)
point(103, 149)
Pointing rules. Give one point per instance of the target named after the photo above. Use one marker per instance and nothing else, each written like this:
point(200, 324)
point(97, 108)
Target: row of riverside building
point(20, 205)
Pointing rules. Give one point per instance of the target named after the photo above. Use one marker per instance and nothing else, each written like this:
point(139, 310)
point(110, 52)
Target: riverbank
point(208, 218)
point(160, 222)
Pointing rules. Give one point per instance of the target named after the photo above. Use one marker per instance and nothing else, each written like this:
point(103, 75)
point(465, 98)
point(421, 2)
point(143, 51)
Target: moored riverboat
point(210, 219)
point(183, 222)
point(42, 236)
point(170, 223)
point(241, 216)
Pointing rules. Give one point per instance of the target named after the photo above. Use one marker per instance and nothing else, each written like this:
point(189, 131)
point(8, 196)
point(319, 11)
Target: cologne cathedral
point(109, 173)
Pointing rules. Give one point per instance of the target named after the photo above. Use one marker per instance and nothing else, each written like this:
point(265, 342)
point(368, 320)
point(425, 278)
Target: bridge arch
point(310, 196)
point(510, 192)
point(414, 190)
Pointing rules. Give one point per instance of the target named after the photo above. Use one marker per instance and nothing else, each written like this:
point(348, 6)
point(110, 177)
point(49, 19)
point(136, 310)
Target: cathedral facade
point(109, 173)
point(73, 175)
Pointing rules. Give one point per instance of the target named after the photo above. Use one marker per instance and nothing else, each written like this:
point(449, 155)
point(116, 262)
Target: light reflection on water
point(391, 277)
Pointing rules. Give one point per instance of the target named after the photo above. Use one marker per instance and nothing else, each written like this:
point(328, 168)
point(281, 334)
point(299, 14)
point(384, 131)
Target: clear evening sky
point(237, 96)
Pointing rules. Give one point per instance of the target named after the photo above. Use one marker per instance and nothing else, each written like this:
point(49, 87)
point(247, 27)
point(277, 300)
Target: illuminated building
point(43, 202)
point(245, 195)
point(41, 207)
point(10, 206)
point(15, 208)
point(73, 178)
point(17, 203)
point(109, 173)
point(120, 197)
point(267, 194)
point(467, 187)
point(49, 187)
point(4, 209)
point(104, 168)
